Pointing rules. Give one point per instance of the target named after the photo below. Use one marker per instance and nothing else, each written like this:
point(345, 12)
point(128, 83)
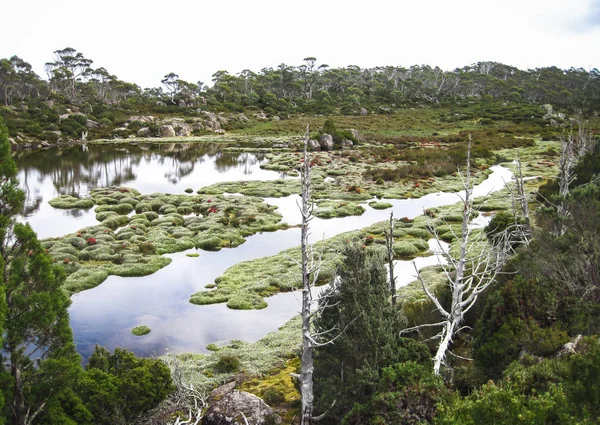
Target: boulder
point(183, 129)
point(167, 131)
point(161, 103)
point(238, 408)
point(276, 118)
point(326, 142)
point(198, 126)
point(141, 118)
point(144, 132)
point(570, 347)
point(12, 141)
point(45, 144)
point(355, 134)
point(260, 116)
point(313, 145)
point(363, 111)
point(243, 118)
point(182, 104)
point(92, 124)
point(347, 143)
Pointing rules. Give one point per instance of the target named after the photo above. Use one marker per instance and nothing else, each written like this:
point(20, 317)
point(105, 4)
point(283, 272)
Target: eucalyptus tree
point(69, 66)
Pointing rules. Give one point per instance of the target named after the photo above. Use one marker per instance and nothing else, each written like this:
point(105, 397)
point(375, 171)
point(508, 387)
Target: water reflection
point(105, 315)
point(150, 168)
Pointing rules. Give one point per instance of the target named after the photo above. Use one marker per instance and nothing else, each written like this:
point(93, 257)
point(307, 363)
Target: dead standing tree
point(476, 267)
point(389, 243)
point(310, 265)
point(573, 146)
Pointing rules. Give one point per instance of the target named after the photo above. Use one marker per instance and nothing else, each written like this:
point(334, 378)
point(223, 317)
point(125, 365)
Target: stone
point(238, 408)
point(569, 348)
point(142, 118)
point(198, 126)
point(326, 142)
point(167, 131)
point(260, 116)
point(144, 132)
point(363, 111)
point(182, 129)
point(243, 118)
point(347, 143)
point(276, 118)
point(182, 104)
point(355, 133)
point(45, 144)
point(161, 103)
point(313, 145)
point(92, 124)
point(12, 141)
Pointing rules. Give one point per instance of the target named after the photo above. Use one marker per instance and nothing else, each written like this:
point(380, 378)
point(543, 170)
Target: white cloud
point(140, 41)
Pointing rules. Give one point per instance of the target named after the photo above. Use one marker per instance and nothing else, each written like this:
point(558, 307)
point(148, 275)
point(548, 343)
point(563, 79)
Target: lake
point(105, 315)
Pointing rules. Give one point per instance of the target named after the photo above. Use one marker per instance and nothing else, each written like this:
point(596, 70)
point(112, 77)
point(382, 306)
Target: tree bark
point(306, 362)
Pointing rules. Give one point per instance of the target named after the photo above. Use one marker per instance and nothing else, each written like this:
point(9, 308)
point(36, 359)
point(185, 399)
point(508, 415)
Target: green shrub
point(140, 330)
point(227, 364)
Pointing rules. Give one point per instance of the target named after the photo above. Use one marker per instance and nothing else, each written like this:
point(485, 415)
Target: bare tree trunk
point(306, 362)
point(389, 242)
point(523, 199)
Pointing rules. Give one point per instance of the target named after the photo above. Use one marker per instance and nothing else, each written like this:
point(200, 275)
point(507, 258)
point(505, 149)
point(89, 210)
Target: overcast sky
point(141, 41)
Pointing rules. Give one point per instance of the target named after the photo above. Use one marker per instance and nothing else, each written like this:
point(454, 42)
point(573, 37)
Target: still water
point(105, 315)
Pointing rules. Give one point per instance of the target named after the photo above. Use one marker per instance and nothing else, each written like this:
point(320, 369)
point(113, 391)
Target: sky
point(142, 41)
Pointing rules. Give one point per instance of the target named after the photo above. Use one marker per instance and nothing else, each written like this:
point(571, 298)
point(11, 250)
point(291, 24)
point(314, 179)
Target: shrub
point(140, 330)
point(227, 364)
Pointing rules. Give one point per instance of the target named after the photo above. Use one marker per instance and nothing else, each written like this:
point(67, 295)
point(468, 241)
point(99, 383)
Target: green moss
point(140, 330)
point(85, 278)
point(331, 209)
point(103, 215)
point(142, 267)
point(256, 359)
point(189, 190)
point(246, 301)
point(380, 205)
point(193, 255)
point(405, 249)
point(212, 347)
point(69, 202)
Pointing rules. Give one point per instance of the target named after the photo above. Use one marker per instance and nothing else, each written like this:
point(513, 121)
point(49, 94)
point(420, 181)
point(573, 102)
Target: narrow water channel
point(105, 315)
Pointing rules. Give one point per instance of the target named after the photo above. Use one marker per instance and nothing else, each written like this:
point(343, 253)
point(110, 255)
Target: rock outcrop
point(231, 407)
point(167, 131)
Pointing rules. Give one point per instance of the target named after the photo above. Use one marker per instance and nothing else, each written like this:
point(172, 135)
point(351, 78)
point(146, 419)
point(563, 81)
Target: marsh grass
point(141, 330)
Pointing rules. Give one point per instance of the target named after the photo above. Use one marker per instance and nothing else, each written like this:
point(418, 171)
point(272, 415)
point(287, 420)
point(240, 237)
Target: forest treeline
point(33, 105)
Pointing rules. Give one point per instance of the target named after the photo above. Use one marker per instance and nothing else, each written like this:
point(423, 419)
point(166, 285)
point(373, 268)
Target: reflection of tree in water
point(74, 171)
point(225, 161)
point(179, 160)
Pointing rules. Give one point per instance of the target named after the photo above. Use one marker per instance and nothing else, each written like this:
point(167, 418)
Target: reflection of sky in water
point(105, 315)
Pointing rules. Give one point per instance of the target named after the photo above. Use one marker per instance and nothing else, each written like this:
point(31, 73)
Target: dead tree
point(389, 243)
point(310, 265)
point(572, 148)
point(521, 229)
point(477, 266)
